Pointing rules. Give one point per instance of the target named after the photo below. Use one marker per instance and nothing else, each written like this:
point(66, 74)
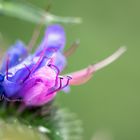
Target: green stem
point(33, 14)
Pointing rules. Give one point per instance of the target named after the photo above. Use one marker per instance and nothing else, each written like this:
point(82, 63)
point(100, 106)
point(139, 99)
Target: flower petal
point(82, 76)
point(10, 88)
point(16, 53)
point(35, 90)
point(60, 61)
point(54, 39)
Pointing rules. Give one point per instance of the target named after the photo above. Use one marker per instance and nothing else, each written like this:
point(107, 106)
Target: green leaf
point(28, 12)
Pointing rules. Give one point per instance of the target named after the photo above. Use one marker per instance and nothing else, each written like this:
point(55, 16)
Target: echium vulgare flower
point(35, 79)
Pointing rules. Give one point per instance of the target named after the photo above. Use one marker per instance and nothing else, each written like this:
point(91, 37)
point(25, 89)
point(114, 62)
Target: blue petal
point(19, 72)
point(16, 54)
point(10, 88)
point(54, 39)
point(60, 61)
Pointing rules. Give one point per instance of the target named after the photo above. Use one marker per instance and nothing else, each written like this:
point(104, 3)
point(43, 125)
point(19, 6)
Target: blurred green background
point(109, 102)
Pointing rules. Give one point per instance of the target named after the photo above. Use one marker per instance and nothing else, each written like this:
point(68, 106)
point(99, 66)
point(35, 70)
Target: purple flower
point(36, 78)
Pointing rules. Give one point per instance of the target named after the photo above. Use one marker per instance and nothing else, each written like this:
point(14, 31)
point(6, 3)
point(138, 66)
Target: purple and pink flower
point(36, 78)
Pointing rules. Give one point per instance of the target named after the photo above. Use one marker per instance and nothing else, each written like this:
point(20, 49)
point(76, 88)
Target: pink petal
point(82, 76)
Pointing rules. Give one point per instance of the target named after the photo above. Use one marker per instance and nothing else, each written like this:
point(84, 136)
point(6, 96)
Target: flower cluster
point(35, 78)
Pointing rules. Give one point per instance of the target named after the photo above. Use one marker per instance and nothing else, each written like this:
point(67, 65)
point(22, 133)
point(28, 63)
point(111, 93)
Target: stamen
point(41, 58)
point(27, 68)
point(59, 88)
point(72, 49)
point(57, 74)
point(28, 73)
point(69, 78)
point(38, 63)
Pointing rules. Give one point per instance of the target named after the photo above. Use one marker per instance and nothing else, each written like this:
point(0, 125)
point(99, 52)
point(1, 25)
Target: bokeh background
point(110, 102)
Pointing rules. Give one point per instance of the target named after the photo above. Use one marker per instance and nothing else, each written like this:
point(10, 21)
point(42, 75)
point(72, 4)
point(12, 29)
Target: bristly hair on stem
point(48, 120)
